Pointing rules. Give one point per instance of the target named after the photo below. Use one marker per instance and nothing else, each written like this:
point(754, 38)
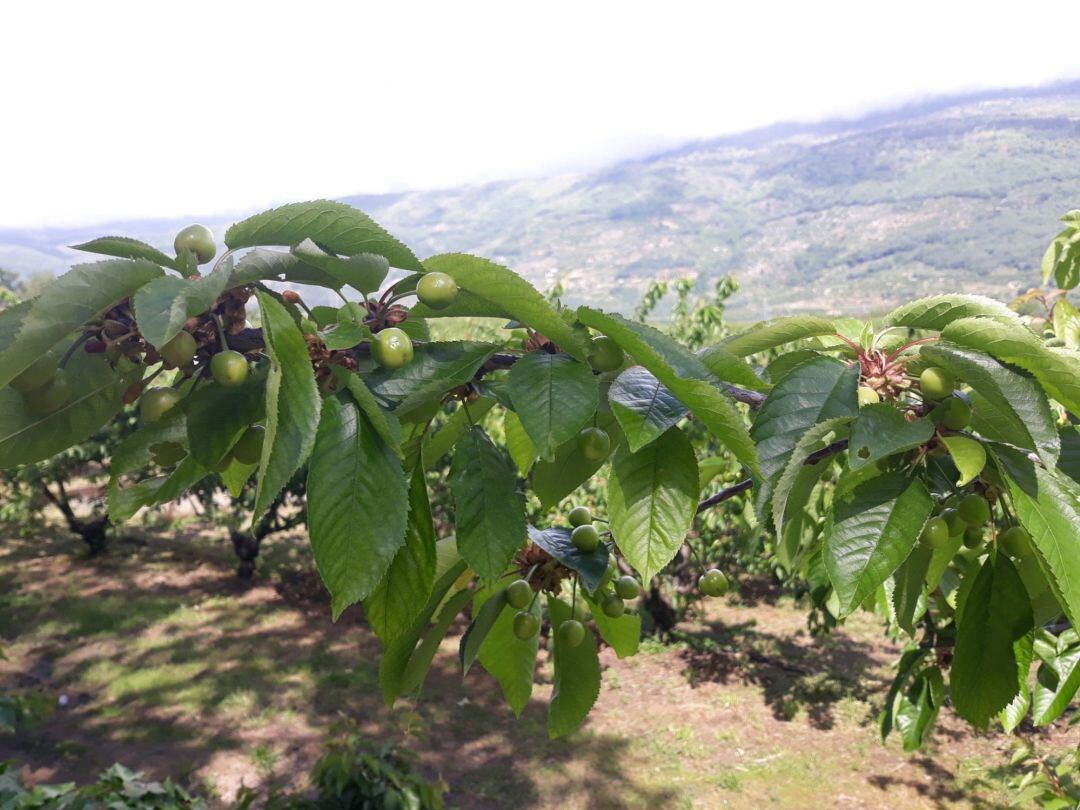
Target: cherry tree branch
point(747, 484)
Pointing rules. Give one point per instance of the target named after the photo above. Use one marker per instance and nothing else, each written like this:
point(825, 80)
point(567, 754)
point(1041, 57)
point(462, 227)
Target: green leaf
point(292, 403)
point(907, 594)
point(363, 272)
point(555, 540)
point(576, 683)
point(992, 628)
point(554, 480)
point(938, 311)
point(11, 321)
point(435, 369)
point(1055, 250)
point(332, 225)
point(554, 395)
point(438, 444)
point(683, 374)
point(770, 334)
point(644, 407)
point(816, 438)
point(871, 532)
point(918, 707)
point(510, 660)
point(124, 247)
point(163, 306)
point(346, 335)
point(400, 595)
point(397, 653)
point(1009, 406)
point(218, 416)
point(881, 431)
point(1051, 514)
point(652, 497)
point(813, 392)
point(1067, 323)
point(905, 667)
point(968, 455)
point(729, 368)
point(236, 475)
point(510, 293)
point(385, 423)
point(484, 619)
point(68, 302)
point(420, 661)
point(622, 633)
point(357, 504)
point(96, 397)
point(1067, 268)
point(1057, 371)
point(490, 510)
point(521, 448)
point(1055, 687)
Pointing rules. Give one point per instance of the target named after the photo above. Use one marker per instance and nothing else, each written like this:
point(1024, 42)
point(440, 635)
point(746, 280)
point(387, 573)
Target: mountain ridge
point(944, 194)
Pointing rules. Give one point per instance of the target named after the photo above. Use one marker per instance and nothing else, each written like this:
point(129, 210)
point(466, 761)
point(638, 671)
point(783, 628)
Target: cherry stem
point(468, 415)
point(75, 344)
point(221, 332)
point(892, 357)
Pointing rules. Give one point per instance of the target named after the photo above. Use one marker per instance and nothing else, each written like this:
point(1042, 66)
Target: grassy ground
point(171, 666)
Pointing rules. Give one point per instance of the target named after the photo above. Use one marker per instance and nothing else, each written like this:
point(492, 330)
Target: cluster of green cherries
point(967, 516)
point(392, 347)
point(615, 591)
point(964, 515)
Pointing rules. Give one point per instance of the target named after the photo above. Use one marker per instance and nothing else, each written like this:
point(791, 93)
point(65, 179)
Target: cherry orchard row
point(921, 467)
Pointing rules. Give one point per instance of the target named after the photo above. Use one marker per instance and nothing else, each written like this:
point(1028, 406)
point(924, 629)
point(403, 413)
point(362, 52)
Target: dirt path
point(171, 667)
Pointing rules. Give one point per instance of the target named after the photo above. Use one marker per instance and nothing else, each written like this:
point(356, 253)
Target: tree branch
point(746, 484)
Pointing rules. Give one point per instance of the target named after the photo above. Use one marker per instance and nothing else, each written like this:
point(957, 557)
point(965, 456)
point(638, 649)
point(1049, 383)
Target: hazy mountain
point(954, 194)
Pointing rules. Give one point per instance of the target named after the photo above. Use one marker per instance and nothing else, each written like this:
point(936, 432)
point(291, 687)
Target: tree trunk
point(92, 532)
point(246, 545)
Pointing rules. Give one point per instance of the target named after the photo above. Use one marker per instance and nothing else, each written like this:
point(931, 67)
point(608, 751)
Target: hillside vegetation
point(956, 195)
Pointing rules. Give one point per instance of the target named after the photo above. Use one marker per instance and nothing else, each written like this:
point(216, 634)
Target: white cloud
point(164, 108)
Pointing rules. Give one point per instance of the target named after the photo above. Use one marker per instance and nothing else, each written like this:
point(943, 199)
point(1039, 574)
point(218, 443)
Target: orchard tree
point(924, 467)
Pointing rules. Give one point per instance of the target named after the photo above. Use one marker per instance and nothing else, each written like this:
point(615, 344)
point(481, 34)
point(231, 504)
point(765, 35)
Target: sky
point(162, 109)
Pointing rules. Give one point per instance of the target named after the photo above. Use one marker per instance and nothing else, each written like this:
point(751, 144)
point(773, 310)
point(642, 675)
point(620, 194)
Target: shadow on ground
point(171, 666)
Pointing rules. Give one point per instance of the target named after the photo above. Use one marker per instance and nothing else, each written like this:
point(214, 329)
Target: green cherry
point(613, 606)
point(627, 587)
point(935, 533)
point(248, 448)
point(973, 536)
point(868, 396)
point(526, 625)
point(713, 582)
point(51, 396)
point(437, 290)
point(179, 351)
point(229, 368)
point(974, 510)
point(585, 538)
point(392, 348)
point(518, 594)
point(952, 413)
point(605, 354)
point(571, 633)
point(579, 516)
point(197, 239)
point(156, 402)
point(936, 383)
point(1016, 541)
point(595, 443)
point(36, 374)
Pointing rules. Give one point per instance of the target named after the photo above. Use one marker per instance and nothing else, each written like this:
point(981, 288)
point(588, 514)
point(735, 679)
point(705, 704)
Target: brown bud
point(291, 296)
